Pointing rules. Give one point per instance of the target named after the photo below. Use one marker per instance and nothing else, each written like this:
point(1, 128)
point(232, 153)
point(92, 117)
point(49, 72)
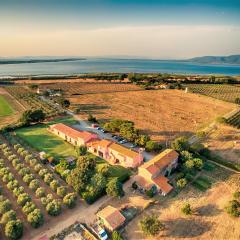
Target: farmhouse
point(71, 135)
point(111, 218)
point(115, 153)
point(152, 174)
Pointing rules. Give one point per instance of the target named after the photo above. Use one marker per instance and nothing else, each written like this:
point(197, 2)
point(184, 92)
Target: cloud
point(161, 41)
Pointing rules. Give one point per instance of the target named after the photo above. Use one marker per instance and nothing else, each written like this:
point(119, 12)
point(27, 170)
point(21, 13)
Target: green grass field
point(5, 107)
point(115, 170)
point(202, 183)
point(40, 139)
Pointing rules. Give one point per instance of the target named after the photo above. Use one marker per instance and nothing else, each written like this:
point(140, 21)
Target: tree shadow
point(208, 210)
point(186, 228)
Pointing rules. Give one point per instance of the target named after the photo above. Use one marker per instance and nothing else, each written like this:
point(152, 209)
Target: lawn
point(5, 107)
point(39, 138)
point(115, 170)
point(202, 183)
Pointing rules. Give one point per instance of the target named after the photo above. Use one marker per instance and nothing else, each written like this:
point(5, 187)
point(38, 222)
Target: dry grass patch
point(209, 220)
point(225, 142)
point(163, 114)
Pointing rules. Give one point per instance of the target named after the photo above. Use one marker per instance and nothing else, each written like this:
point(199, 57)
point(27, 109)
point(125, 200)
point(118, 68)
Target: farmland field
point(163, 114)
point(87, 88)
point(29, 100)
point(5, 107)
point(234, 119)
point(209, 219)
point(10, 109)
point(39, 138)
point(225, 142)
point(220, 91)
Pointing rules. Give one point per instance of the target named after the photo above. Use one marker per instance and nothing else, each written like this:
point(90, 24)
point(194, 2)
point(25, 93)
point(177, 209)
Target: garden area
point(39, 138)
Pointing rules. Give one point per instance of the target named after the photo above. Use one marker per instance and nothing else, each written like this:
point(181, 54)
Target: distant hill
point(232, 59)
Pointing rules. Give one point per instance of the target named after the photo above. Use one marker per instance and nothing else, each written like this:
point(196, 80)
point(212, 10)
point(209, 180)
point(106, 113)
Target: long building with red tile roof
point(152, 173)
point(115, 153)
point(71, 135)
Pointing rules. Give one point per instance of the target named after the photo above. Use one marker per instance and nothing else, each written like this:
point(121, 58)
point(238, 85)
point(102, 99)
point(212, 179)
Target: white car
point(102, 234)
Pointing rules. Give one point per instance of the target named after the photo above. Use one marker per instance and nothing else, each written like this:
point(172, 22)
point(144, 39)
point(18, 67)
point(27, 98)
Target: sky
point(172, 29)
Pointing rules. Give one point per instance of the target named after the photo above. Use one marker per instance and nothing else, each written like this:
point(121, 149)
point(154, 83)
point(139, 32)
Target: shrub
point(114, 188)
point(34, 184)
point(70, 200)
point(16, 146)
point(54, 185)
point(43, 172)
point(28, 207)
point(233, 208)
point(12, 184)
point(5, 206)
point(8, 216)
point(186, 155)
point(33, 162)
point(18, 190)
point(35, 218)
point(182, 182)
point(186, 209)
point(103, 169)
point(28, 158)
point(53, 208)
point(15, 162)
point(48, 178)
point(14, 229)
point(198, 163)
point(151, 225)
point(40, 192)
point(23, 199)
point(37, 167)
point(28, 178)
point(24, 171)
point(150, 193)
point(116, 236)
point(61, 191)
point(152, 146)
point(236, 195)
point(8, 177)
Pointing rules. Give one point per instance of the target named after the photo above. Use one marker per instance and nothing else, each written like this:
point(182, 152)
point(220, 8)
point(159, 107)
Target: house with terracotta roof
point(115, 153)
point(153, 174)
point(111, 218)
point(71, 135)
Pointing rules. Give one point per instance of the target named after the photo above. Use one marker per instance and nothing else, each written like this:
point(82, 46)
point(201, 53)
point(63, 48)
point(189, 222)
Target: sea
point(97, 65)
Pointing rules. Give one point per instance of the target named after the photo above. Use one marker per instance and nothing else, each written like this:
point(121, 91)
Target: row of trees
point(188, 163)
point(13, 227)
point(127, 130)
point(33, 214)
point(69, 199)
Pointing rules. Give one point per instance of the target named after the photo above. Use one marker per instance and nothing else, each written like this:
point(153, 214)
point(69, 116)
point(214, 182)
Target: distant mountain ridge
point(232, 59)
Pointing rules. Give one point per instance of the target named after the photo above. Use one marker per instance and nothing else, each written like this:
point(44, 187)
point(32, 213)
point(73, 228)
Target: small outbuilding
point(111, 217)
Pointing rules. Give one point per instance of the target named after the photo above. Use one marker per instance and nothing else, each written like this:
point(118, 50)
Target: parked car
point(102, 234)
point(94, 125)
point(133, 145)
point(123, 141)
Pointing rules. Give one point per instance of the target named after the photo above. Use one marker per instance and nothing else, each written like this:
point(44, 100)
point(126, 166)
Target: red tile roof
point(162, 183)
point(160, 161)
point(71, 132)
point(112, 216)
